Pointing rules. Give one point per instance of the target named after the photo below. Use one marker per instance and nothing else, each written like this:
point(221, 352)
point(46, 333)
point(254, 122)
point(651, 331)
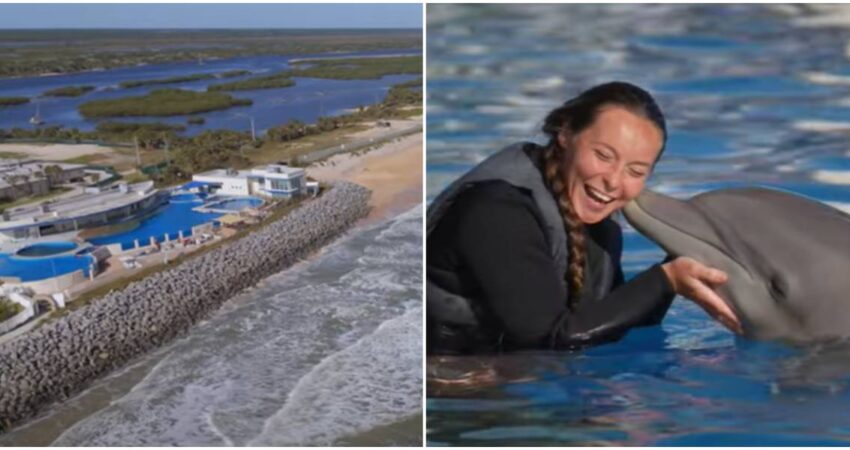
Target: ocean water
point(753, 95)
point(328, 349)
point(309, 99)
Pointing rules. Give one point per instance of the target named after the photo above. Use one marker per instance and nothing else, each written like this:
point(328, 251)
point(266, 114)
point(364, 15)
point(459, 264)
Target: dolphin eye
point(778, 288)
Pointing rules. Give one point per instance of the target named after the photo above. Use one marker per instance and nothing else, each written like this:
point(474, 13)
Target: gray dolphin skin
point(787, 257)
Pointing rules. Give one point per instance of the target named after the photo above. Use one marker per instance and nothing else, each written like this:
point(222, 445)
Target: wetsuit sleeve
point(642, 301)
point(500, 240)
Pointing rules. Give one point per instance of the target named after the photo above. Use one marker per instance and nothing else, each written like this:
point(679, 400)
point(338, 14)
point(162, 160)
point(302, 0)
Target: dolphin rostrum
point(787, 257)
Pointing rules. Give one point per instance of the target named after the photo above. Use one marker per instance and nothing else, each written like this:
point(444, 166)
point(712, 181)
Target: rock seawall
point(62, 357)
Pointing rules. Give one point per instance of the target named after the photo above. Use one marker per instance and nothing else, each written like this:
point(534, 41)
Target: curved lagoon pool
point(46, 249)
point(34, 269)
point(170, 219)
point(178, 215)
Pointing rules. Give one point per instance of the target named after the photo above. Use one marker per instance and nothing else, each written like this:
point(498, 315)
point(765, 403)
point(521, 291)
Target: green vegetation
point(131, 128)
point(404, 94)
point(8, 309)
point(45, 134)
point(184, 78)
point(84, 159)
point(161, 102)
point(233, 73)
point(196, 121)
point(145, 135)
point(180, 79)
point(358, 68)
point(67, 51)
point(68, 91)
point(212, 149)
point(278, 80)
point(135, 177)
point(337, 69)
point(13, 101)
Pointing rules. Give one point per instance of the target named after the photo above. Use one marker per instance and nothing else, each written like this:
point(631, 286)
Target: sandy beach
point(54, 152)
point(393, 172)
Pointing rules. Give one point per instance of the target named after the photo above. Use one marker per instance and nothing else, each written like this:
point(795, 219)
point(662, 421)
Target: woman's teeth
point(598, 196)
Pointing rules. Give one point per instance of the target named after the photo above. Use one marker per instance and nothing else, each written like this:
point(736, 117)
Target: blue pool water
point(171, 219)
point(742, 88)
point(236, 204)
point(187, 198)
point(34, 262)
point(46, 249)
point(32, 269)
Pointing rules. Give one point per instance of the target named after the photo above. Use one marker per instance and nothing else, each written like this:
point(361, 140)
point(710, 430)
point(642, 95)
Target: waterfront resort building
point(274, 180)
point(23, 178)
point(94, 207)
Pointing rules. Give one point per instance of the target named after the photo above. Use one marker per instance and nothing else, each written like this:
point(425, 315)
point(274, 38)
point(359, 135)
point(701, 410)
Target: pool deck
point(113, 269)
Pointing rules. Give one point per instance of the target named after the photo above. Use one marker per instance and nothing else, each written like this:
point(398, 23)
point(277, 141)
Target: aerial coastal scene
point(210, 225)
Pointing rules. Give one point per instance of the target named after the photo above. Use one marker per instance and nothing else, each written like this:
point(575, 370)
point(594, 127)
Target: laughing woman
point(523, 253)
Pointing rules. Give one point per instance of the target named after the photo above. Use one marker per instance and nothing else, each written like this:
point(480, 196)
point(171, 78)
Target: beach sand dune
point(54, 152)
point(393, 172)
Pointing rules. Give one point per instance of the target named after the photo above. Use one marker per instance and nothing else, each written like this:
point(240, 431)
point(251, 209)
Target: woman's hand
point(697, 282)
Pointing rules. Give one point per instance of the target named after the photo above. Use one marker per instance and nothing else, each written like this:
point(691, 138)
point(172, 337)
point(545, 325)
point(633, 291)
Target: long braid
point(573, 226)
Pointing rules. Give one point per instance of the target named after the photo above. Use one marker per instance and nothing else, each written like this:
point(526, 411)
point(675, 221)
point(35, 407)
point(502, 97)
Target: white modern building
point(274, 180)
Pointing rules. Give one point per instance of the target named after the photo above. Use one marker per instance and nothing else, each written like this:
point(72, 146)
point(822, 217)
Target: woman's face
point(608, 162)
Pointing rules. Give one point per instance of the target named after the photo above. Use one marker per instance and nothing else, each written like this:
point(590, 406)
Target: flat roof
point(222, 173)
point(274, 169)
point(78, 206)
point(267, 171)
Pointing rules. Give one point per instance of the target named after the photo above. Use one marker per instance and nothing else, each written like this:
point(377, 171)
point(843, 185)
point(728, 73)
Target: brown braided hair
point(573, 117)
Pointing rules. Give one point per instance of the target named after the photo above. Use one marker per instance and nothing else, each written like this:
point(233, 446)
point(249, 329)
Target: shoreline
point(393, 172)
point(405, 432)
point(45, 428)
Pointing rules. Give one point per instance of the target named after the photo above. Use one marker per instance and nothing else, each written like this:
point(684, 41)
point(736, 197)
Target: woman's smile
point(608, 162)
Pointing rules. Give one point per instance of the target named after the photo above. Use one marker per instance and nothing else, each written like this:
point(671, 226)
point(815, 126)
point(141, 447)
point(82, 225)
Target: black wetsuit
point(490, 247)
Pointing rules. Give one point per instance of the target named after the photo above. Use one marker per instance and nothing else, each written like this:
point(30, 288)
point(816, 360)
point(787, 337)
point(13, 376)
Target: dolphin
point(787, 256)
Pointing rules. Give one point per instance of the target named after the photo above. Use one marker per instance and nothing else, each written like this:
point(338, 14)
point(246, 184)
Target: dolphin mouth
point(656, 215)
point(683, 230)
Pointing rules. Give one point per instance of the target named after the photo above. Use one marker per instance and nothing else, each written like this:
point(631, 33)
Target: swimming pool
point(740, 86)
point(180, 214)
point(46, 249)
point(171, 219)
point(187, 198)
point(235, 204)
point(33, 269)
